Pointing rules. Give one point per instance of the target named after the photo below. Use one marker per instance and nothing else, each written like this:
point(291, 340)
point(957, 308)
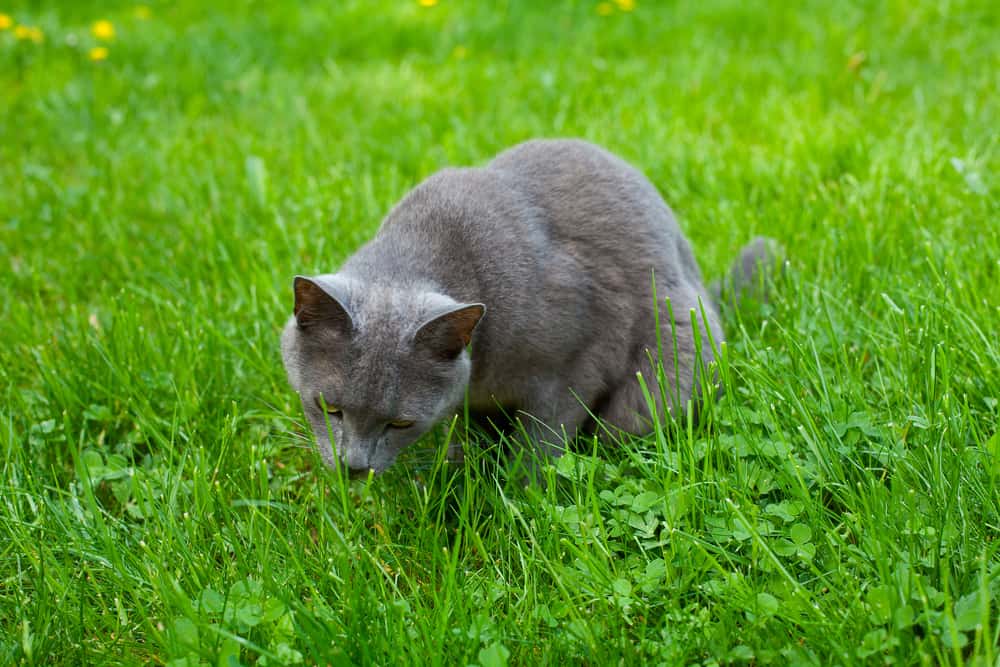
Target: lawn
point(165, 170)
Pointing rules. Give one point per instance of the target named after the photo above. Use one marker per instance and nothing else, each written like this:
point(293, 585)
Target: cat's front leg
point(455, 453)
point(551, 418)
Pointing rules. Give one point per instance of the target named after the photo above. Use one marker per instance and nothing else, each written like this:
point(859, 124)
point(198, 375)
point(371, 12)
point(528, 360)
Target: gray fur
point(559, 240)
point(750, 277)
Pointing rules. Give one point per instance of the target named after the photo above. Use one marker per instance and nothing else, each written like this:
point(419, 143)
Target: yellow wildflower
point(5, 21)
point(98, 53)
point(856, 60)
point(625, 5)
point(427, 3)
point(28, 32)
point(605, 8)
point(142, 12)
point(103, 30)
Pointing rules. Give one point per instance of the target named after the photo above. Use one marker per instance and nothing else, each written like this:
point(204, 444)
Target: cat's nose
point(357, 460)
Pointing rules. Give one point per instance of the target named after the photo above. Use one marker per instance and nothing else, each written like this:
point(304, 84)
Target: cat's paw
point(455, 453)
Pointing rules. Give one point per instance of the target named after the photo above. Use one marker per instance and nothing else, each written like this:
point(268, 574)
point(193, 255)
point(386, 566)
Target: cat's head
point(375, 367)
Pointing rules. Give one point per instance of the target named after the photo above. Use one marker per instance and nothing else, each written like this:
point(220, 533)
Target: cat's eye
point(330, 408)
point(401, 423)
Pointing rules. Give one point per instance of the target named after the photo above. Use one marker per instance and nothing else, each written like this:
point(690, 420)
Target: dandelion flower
point(605, 8)
point(625, 5)
point(427, 3)
point(98, 53)
point(28, 32)
point(103, 30)
point(142, 12)
point(5, 21)
point(856, 60)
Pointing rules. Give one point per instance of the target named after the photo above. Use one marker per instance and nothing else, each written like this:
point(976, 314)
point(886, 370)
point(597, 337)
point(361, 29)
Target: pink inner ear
point(447, 335)
point(465, 321)
point(314, 305)
point(308, 294)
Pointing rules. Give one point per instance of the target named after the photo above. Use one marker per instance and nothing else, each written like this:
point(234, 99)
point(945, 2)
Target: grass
point(159, 502)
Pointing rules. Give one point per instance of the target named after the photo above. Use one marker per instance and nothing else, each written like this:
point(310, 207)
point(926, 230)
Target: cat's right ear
point(316, 303)
point(447, 334)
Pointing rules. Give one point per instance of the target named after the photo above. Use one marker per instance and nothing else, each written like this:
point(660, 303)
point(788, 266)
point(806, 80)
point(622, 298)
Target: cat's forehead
point(383, 382)
point(367, 383)
point(353, 374)
point(382, 314)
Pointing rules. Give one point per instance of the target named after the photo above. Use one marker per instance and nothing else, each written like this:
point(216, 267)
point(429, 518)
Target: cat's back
point(598, 205)
point(561, 210)
point(556, 160)
point(541, 191)
point(582, 181)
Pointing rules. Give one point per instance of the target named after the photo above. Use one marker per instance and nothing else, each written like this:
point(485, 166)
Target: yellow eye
point(401, 423)
point(330, 408)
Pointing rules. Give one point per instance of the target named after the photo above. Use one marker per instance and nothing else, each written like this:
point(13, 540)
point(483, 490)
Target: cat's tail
point(752, 276)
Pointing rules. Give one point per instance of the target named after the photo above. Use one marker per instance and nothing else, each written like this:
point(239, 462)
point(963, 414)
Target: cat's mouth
point(361, 473)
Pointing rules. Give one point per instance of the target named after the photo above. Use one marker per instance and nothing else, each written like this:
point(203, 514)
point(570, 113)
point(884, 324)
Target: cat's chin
point(362, 473)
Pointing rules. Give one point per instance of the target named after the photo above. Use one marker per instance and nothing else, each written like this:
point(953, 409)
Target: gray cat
point(525, 285)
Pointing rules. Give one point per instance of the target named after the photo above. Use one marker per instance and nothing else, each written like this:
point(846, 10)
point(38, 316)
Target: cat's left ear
point(320, 303)
point(447, 334)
